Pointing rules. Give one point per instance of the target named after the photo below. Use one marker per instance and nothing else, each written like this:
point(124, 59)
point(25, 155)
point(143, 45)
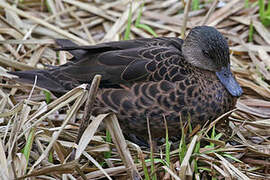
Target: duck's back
point(122, 62)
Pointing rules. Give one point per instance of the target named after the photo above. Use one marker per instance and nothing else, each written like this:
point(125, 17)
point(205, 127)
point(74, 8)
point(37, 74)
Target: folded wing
point(122, 62)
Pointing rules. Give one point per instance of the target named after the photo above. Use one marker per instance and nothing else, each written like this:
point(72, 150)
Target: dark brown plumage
point(164, 77)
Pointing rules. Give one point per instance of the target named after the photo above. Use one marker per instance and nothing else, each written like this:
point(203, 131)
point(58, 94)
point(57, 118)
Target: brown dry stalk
point(118, 138)
point(209, 13)
point(184, 26)
point(88, 106)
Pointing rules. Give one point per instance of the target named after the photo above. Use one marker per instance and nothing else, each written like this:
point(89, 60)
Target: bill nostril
point(227, 75)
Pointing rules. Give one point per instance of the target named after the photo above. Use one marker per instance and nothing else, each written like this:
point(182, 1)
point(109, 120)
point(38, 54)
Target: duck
point(164, 78)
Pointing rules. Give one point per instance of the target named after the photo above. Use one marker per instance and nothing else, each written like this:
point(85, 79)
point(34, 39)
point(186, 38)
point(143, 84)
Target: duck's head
point(206, 48)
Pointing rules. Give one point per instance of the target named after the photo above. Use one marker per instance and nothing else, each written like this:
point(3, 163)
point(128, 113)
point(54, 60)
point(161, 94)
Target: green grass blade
point(213, 136)
point(50, 158)
point(231, 157)
point(261, 9)
point(205, 169)
point(107, 154)
point(28, 146)
point(138, 20)
point(157, 160)
point(144, 26)
point(268, 9)
point(168, 147)
point(148, 29)
point(266, 20)
point(195, 5)
point(218, 136)
point(48, 6)
point(182, 145)
point(108, 139)
point(145, 171)
point(168, 144)
point(246, 3)
point(127, 31)
point(154, 175)
point(264, 14)
point(196, 151)
point(47, 96)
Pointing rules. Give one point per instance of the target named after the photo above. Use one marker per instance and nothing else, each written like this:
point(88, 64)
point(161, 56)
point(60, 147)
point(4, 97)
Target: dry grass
point(38, 138)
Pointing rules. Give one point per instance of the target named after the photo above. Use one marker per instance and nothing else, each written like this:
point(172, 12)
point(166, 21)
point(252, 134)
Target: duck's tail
point(41, 78)
point(50, 79)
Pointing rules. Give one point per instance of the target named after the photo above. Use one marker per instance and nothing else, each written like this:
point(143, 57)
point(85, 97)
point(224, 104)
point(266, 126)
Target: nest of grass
point(39, 132)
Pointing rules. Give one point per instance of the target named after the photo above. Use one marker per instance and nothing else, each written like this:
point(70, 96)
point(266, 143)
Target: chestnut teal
point(153, 78)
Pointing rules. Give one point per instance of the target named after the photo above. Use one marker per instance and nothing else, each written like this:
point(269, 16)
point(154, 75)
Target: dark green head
point(206, 48)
